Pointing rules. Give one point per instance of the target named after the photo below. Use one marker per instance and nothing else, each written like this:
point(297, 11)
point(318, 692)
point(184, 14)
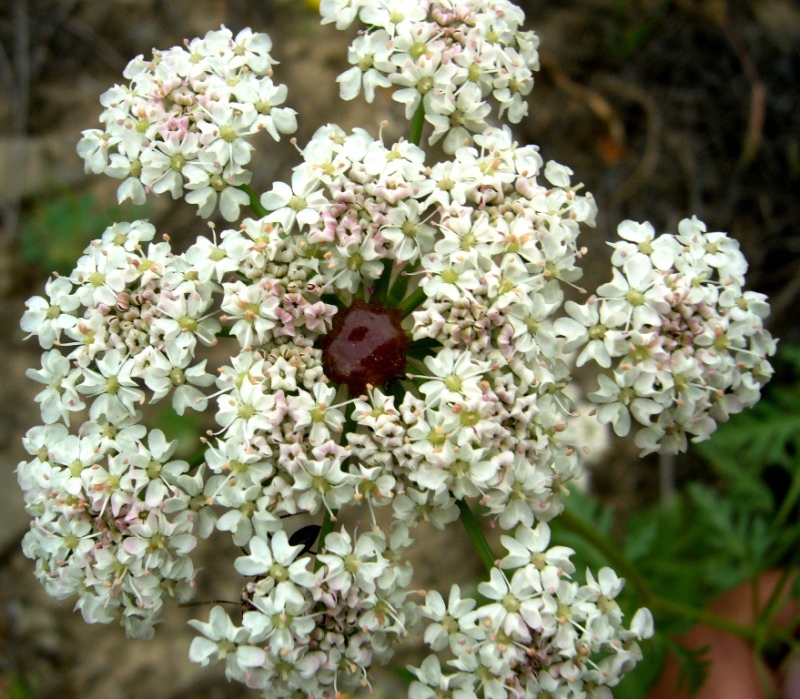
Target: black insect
point(307, 536)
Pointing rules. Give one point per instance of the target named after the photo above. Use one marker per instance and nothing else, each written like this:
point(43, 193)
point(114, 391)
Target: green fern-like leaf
point(765, 437)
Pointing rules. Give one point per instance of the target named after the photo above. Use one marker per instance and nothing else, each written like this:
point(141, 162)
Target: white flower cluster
point(450, 56)
point(306, 632)
point(688, 343)
point(466, 258)
point(113, 516)
point(539, 634)
point(482, 413)
point(184, 120)
point(112, 522)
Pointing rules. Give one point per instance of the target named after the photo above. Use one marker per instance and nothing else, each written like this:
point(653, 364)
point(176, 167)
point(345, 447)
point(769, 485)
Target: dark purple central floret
point(365, 346)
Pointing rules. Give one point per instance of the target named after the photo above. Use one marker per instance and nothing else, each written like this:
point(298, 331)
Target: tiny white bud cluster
point(539, 633)
point(184, 121)
point(688, 343)
point(114, 517)
point(449, 56)
point(303, 631)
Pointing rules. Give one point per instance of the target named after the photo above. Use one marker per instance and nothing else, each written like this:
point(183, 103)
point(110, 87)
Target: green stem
point(416, 125)
point(788, 504)
point(649, 598)
point(349, 423)
point(410, 303)
point(197, 459)
point(255, 204)
point(476, 534)
point(325, 529)
point(793, 624)
point(713, 620)
point(776, 596)
point(381, 289)
point(764, 674)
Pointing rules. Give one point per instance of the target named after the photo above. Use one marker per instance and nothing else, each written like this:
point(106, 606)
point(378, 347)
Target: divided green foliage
point(767, 434)
point(16, 686)
point(665, 544)
point(757, 456)
point(735, 540)
point(692, 664)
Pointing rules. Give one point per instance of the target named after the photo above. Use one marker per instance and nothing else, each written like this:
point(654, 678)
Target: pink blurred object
point(733, 672)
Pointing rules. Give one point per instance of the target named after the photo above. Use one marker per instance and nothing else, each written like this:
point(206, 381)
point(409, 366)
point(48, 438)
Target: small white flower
point(221, 638)
point(455, 377)
point(301, 202)
point(115, 392)
point(458, 115)
point(343, 12)
point(369, 55)
point(60, 398)
point(445, 628)
point(620, 400)
point(170, 373)
point(46, 318)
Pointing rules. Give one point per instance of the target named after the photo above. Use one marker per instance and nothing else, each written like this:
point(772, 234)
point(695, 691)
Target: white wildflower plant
point(396, 341)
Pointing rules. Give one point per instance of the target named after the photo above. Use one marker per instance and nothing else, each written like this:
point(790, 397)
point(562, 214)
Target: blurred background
point(663, 108)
